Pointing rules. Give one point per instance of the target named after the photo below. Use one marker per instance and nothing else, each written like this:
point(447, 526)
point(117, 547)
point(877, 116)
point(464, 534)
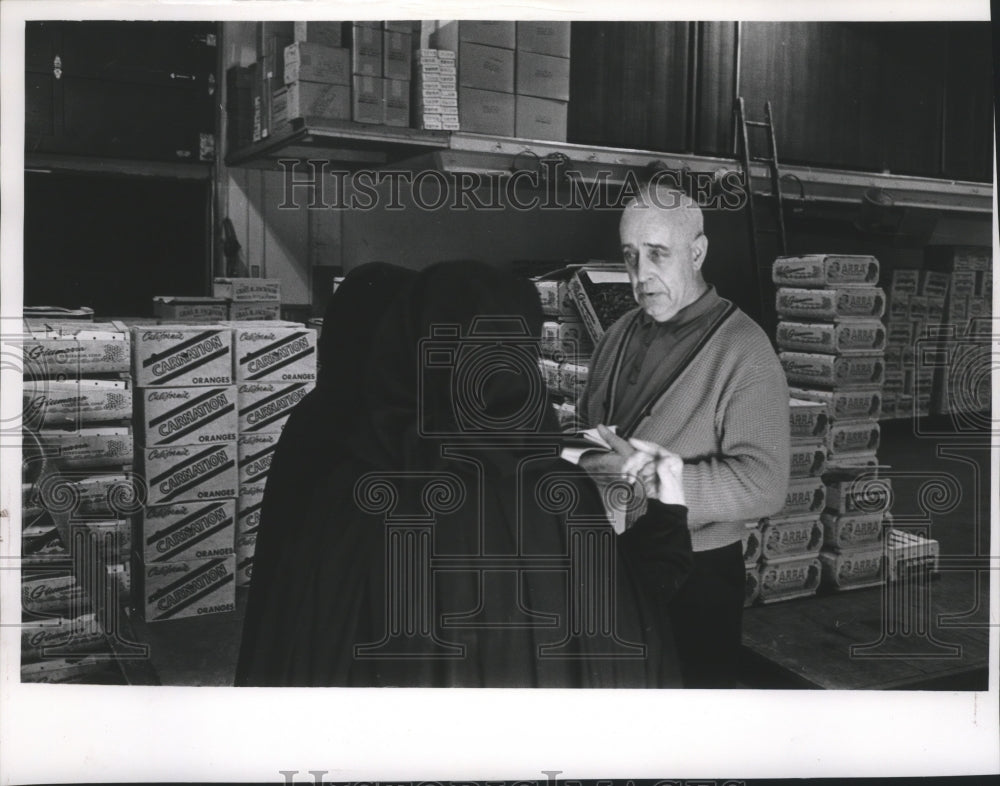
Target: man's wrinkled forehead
point(664, 207)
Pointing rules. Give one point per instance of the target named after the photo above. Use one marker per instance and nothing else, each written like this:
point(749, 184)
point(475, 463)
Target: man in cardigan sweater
point(689, 371)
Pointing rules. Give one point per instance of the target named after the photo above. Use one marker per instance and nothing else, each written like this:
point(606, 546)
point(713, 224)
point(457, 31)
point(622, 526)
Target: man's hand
point(610, 463)
point(660, 471)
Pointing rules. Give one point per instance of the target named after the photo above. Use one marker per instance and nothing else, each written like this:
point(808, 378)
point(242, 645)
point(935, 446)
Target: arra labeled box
point(808, 420)
point(274, 352)
point(806, 368)
point(540, 118)
point(849, 530)
point(189, 473)
point(255, 452)
point(807, 460)
point(845, 404)
point(791, 577)
point(547, 38)
point(187, 530)
point(88, 448)
point(246, 545)
point(791, 536)
point(50, 403)
point(185, 416)
point(751, 543)
point(74, 349)
point(310, 62)
point(175, 308)
point(855, 568)
point(182, 355)
point(248, 507)
point(264, 406)
point(845, 337)
point(247, 289)
point(804, 496)
point(862, 493)
point(826, 270)
point(188, 588)
point(830, 303)
point(853, 436)
point(486, 111)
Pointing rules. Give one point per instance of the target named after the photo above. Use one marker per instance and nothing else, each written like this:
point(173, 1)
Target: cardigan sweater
point(725, 414)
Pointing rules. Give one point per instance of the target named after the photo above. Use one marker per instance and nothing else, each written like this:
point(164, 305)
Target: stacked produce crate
point(185, 423)
point(513, 78)
point(274, 368)
point(248, 298)
point(77, 488)
point(962, 378)
point(831, 341)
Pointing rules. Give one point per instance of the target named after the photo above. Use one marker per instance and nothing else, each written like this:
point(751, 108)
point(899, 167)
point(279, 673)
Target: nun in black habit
point(450, 546)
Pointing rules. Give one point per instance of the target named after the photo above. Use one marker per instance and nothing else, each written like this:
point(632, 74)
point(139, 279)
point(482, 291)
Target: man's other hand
point(611, 462)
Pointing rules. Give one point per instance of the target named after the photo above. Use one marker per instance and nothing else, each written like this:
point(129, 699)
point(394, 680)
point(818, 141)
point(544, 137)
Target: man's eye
point(631, 258)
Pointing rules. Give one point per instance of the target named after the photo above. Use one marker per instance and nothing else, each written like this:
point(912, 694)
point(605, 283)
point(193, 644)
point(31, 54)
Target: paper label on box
point(793, 577)
point(190, 472)
point(805, 495)
point(793, 536)
point(182, 355)
point(172, 590)
point(830, 303)
point(244, 310)
point(255, 453)
point(70, 357)
point(807, 460)
point(826, 269)
point(188, 530)
point(186, 416)
point(252, 289)
point(264, 406)
point(808, 419)
point(851, 529)
point(857, 567)
point(278, 354)
point(853, 437)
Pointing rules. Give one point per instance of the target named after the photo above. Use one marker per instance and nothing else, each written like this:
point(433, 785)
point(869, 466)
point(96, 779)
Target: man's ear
point(699, 248)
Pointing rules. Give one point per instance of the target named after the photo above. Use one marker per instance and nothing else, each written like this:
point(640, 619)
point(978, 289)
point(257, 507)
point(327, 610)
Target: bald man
point(692, 373)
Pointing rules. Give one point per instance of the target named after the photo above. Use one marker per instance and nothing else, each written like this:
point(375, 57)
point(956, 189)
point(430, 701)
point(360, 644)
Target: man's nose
point(645, 270)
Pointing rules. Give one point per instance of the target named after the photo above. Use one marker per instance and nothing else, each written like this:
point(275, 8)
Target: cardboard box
point(264, 406)
point(365, 49)
point(396, 105)
point(791, 536)
point(189, 473)
point(540, 118)
point(185, 416)
point(307, 62)
point(274, 352)
point(111, 540)
point(313, 100)
point(174, 308)
point(826, 270)
point(554, 293)
point(182, 355)
point(322, 33)
point(803, 368)
point(187, 530)
point(905, 282)
point(573, 379)
point(542, 76)
point(242, 311)
point(547, 38)
point(963, 283)
point(550, 373)
point(57, 671)
point(56, 637)
point(910, 556)
point(486, 111)
point(73, 349)
point(845, 404)
point(396, 55)
point(899, 308)
point(566, 338)
point(857, 490)
point(849, 530)
point(83, 313)
point(603, 295)
point(367, 97)
point(107, 496)
point(845, 337)
point(566, 415)
point(48, 403)
point(855, 568)
point(807, 460)
point(486, 68)
point(804, 496)
point(53, 594)
point(490, 33)
point(852, 463)
point(247, 289)
point(255, 452)
point(934, 283)
point(827, 304)
point(808, 420)
point(853, 436)
point(88, 448)
point(246, 545)
point(918, 308)
point(248, 507)
point(190, 588)
point(900, 332)
point(751, 543)
point(791, 577)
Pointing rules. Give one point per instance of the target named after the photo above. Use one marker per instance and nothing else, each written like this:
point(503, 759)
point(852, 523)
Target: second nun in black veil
point(451, 466)
point(313, 439)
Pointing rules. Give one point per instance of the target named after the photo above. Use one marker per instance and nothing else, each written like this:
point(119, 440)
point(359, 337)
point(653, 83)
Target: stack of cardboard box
point(247, 298)
point(76, 488)
point(832, 343)
point(513, 78)
point(435, 90)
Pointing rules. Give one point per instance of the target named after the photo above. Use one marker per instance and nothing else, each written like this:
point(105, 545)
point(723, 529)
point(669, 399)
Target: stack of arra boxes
point(832, 340)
